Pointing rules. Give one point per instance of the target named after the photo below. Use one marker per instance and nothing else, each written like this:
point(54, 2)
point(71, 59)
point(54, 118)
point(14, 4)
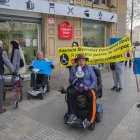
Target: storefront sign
point(43, 6)
point(65, 30)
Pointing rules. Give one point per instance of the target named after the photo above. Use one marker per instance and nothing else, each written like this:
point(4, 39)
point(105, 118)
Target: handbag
point(21, 62)
point(112, 66)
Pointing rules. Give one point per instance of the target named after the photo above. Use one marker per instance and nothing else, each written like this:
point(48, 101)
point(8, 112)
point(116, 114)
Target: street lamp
point(132, 14)
point(131, 31)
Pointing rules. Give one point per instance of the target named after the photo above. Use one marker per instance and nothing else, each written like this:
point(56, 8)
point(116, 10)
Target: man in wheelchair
point(83, 81)
point(41, 80)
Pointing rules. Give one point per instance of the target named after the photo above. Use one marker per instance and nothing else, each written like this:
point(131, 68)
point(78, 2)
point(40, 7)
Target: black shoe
point(86, 123)
point(119, 90)
point(114, 88)
point(71, 119)
point(138, 105)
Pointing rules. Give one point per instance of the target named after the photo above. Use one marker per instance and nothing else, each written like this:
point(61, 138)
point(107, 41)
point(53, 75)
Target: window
point(27, 35)
point(94, 34)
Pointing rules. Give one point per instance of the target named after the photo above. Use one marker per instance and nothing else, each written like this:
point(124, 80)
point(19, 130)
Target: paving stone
point(43, 119)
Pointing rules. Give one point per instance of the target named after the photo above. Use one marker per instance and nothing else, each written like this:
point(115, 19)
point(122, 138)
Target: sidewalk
point(37, 119)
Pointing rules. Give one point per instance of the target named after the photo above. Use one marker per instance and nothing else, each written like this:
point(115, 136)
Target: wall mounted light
point(71, 2)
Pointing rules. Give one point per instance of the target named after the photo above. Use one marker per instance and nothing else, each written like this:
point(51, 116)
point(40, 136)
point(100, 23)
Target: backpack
point(99, 82)
point(21, 58)
point(98, 75)
point(21, 62)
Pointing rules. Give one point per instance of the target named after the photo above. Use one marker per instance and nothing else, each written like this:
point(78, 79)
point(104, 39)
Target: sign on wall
point(65, 30)
point(43, 6)
point(51, 21)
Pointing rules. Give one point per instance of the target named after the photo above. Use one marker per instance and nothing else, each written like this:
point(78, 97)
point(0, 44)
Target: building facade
point(36, 24)
point(136, 34)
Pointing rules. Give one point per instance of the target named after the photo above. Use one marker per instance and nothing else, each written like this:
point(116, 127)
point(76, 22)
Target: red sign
point(51, 21)
point(65, 30)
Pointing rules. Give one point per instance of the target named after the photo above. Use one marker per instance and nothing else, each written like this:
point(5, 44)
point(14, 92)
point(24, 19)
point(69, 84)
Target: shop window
point(94, 33)
point(25, 33)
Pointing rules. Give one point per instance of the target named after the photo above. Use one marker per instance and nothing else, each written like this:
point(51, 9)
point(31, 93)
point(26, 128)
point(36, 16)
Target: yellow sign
point(119, 51)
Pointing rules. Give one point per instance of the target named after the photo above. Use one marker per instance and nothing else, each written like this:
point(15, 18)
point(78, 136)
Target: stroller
point(81, 104)
point(35, 92)
point(14, 84)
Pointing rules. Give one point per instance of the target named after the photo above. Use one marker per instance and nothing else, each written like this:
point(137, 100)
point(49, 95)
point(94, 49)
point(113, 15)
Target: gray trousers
point(1, 92)
point(118, 75)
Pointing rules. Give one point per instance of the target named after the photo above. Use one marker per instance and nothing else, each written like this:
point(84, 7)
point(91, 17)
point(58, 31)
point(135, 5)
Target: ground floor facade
point(36, 31)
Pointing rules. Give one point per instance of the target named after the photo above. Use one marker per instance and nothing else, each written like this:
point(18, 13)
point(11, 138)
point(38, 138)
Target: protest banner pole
point(60, 77)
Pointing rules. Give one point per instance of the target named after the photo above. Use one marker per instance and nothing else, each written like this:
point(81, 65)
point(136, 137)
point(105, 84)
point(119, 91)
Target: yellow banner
point(119, 51)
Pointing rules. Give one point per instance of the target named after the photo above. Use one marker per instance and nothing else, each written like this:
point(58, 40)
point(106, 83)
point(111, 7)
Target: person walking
point(4, 61)
point(118, 75)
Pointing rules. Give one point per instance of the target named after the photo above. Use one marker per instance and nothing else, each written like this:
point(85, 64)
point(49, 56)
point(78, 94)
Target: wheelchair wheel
point(4, 95)
point(92, 126)
point(99, 116)
point(41, 96)
point(20, 96)
point(48, 89)
point(16, 104)
point(65, 118)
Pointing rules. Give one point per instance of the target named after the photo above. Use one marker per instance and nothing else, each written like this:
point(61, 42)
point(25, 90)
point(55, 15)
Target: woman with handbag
point(17, 57)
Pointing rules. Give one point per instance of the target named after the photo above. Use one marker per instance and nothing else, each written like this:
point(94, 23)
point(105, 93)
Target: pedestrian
point(82, 83)
point(74, 44)
point(17, 57)
point(3, 61)
point(118, 75)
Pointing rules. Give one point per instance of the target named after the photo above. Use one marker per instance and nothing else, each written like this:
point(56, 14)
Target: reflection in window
point(94, 34)
point(25, 33)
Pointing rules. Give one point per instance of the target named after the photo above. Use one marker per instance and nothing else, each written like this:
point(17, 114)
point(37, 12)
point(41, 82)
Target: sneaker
point(2, 110)
point(86, 123)
point(71, 119)
point(119, 90)
point(114, 88)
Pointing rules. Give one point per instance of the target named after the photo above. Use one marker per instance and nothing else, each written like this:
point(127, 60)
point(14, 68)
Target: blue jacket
point(89, 78)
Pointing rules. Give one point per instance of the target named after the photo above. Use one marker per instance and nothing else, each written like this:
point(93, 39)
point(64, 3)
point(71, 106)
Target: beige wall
point(50, 41)
point(122, 8)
